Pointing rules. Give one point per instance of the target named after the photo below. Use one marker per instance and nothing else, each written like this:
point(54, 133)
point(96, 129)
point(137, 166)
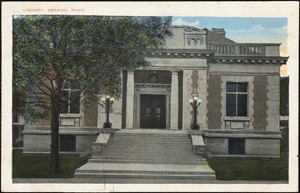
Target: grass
point(38, 166)
point(251, 169)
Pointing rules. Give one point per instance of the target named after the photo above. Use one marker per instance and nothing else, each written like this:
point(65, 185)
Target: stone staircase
point(163, 155)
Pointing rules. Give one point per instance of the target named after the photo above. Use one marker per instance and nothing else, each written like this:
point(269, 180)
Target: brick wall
point(90, 116)
point(260, 102)
point(214, 102)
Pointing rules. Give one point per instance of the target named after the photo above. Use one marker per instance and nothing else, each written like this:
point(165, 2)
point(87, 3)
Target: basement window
point(236, 146)
point(67, 143)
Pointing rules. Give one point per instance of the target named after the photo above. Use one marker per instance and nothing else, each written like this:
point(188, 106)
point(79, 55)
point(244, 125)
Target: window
point(236, 146)
point(236, 99)
point(70, 98)
point(67, 143)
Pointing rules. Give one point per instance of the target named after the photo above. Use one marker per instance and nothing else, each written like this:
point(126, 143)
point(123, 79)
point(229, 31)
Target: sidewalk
point(137, 181)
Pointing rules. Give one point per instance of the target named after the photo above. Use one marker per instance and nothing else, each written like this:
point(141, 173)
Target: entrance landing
point(158, 131)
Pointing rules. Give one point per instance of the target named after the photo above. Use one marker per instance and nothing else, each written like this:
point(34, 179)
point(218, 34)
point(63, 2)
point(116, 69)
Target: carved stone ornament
point(139, 86)
point(190, 29)
point(194, 40)
point(153, 78)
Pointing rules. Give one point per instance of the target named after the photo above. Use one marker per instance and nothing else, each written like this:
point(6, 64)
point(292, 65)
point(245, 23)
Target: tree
point(89, 52)
point(284, 96)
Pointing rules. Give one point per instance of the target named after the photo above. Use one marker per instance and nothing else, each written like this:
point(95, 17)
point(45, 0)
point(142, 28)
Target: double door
point(153, 111)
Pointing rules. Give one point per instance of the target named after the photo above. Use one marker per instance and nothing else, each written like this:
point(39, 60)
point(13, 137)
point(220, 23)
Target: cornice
point(178, 53)
point(250, 59)
point(210, 55)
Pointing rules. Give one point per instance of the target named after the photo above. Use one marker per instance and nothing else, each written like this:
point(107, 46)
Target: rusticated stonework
point(214, 102)
point(90, 116)
point(260, 102)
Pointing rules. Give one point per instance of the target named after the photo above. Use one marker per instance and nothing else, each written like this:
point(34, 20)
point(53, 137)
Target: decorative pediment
point(153, 77)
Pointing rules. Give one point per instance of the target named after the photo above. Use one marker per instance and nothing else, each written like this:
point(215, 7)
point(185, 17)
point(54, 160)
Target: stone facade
point(260, 105)
point(214, 102)
point(193, 63)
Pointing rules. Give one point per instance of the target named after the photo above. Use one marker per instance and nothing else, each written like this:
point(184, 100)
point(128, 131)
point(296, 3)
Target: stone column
point(130, 100)
point(174, 101)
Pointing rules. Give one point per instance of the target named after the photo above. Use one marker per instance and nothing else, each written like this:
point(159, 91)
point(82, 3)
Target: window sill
point(67, 115)
point(244, 119)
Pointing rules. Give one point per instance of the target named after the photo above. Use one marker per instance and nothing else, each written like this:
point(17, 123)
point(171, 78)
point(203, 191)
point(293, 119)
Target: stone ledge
point(48, 132)
point(238, 119)
point(107, 130)
point(100, 144)
point(227, 156)
point(65, 115)
point(243, 134)
point(195, 132)
point(198, 145)
point(102, 139)
point(26, 152)
point(48, 128)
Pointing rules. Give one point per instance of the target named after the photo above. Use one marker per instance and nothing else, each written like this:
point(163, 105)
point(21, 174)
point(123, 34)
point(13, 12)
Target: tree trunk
point(55, 137)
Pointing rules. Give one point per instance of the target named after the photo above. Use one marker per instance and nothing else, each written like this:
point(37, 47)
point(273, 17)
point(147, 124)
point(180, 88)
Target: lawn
point(38, 166)
point(251, 169)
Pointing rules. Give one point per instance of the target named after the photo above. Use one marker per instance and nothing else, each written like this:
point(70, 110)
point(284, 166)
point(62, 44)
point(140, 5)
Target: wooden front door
point(153, 111)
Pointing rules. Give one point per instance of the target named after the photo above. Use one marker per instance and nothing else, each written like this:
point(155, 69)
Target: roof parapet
point(219, 31)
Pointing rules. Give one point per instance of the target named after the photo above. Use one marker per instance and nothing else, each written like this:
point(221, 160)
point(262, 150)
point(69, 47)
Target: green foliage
point(284, 96)
point(52, 53)
point(251, 169)
point(91, 50)
point(37, 166)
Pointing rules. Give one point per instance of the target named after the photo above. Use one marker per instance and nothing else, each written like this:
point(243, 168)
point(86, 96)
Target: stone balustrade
point(245, 49)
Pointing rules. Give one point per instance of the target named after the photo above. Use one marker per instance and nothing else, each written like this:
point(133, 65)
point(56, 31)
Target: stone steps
point(147, 156)
point(152, 171)
point(151, 149)
point(116, 159)
point(150, 154)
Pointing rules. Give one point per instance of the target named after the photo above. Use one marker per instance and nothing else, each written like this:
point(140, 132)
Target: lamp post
point(108, 101)
point(195, 102)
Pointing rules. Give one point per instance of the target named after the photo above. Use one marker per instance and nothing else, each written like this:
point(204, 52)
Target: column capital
point(174, 72)
point(130, 71)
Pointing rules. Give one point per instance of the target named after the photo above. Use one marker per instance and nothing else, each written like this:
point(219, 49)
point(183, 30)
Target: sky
point(245, 29)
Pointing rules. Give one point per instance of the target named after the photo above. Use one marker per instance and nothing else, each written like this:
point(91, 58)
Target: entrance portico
point(149, 100)
point(177, 85)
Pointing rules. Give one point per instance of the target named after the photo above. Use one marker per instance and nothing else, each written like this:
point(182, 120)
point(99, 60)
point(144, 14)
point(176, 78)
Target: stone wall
point(273, 89)
point(263, 147)
point(38, 139)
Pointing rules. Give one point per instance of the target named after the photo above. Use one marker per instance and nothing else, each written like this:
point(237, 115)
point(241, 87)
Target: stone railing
point(245, 49)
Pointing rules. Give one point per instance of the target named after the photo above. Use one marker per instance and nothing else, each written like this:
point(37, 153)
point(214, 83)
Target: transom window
point(236, 99)
point(70, 98)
